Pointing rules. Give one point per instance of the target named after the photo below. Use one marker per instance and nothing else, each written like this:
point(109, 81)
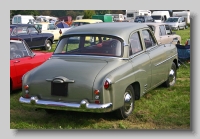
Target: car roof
point(154, 23)
point(120, 29)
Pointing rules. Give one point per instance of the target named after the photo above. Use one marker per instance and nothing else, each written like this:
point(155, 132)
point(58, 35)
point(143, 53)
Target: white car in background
point(45, 27)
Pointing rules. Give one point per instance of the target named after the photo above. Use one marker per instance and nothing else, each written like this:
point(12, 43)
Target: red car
point(23, 59)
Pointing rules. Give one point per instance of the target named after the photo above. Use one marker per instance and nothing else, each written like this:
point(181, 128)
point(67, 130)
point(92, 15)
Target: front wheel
point(128, 107)
point(171, 77)
point(48, 45)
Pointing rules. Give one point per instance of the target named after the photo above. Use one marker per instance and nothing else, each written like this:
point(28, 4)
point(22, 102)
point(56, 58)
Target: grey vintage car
point(101, 68)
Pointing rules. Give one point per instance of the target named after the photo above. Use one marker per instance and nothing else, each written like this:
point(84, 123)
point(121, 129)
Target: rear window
point(96, 45)
point(139, 19)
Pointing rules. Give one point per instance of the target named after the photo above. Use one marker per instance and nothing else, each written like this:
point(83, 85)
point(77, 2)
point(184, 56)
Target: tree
point(58, 13)
point(87, 14)
point(24, 12)
point(102, 12)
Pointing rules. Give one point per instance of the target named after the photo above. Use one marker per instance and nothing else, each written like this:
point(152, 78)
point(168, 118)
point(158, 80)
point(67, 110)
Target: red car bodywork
point(19, 66)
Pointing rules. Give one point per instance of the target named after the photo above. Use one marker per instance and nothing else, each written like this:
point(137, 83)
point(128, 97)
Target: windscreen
point(172, 20)
point(156, 17)
point(96, 45)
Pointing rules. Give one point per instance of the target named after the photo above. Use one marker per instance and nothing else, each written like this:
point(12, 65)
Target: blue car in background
point(33, 37)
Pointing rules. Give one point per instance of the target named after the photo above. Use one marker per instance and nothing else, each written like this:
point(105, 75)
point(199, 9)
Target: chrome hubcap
point(128, 102)
point(172, 77)
point(48, 46)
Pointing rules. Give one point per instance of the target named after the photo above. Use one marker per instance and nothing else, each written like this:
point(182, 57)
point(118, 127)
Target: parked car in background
point(85, 21)
point(164, 33)
point(160, 16)
point(46, 27)
point(33, 37)
point(143, 19)
point(176, 22)
point(22, 60)
point(23, 19)
point(119, 65)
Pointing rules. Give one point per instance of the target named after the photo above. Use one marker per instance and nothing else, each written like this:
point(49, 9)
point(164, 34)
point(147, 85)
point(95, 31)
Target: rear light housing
point(26, 88)
point(60, 31)
point(107, 83)
point(97, 96)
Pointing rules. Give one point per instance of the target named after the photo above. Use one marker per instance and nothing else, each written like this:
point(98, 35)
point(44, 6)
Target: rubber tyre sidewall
point(121, 111)
point(46, 48)
point(167, 83)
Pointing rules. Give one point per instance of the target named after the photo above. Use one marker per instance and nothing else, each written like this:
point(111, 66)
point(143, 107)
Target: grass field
point(161, 108)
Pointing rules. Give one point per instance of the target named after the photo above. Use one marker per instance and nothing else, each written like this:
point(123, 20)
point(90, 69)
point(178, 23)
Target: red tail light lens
point(106, 84)
point(26, 87)
point(60, 31)
point(97, 102)
point(96, 92)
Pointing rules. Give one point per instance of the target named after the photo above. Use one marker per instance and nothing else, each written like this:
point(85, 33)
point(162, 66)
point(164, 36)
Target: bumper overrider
point(83, 106)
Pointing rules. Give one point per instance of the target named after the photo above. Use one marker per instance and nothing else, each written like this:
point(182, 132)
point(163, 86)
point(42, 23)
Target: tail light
point(107, 84)
point(60, 31)
point(26, 88)
point(96, 96)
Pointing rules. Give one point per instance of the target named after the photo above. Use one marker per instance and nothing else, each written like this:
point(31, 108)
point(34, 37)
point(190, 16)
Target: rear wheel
point(128, 107)
point(48, 45)
point(171, 77)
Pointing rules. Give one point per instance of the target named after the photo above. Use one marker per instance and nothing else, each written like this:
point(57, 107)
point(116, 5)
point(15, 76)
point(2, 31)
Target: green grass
point(161, 108)
point(185, 34)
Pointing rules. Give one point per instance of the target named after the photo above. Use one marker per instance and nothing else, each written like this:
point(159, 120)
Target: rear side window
point(51, 27)
point(135, 43)
point(148, 39)
point(15, 20)
point(32, 30)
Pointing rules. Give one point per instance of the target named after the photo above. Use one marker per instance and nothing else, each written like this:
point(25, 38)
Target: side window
point(32, 30)
point(135, 44)
point(162, 30)
point(21, 31)
point(168, 31)
point(51, 27)
point(148, 39)
point(19, 20)
point(17, 50)
point(15, 20)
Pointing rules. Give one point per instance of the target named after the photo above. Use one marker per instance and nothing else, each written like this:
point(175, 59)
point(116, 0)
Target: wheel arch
point(136, 88)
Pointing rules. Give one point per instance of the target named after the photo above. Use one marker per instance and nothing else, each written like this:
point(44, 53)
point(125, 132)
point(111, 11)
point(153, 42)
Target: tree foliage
point(102, 12)
point(24, 12)
point(88, 14)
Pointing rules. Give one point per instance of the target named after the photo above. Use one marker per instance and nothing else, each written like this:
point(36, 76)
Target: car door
point(36, 37)
point(171, 36)
point(141, 63)
point(157, 57)
point(164, 38)
point(54, 30)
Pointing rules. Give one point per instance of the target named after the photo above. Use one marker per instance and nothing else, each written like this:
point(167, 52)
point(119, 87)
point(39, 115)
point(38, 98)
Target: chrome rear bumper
point(84, 105)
